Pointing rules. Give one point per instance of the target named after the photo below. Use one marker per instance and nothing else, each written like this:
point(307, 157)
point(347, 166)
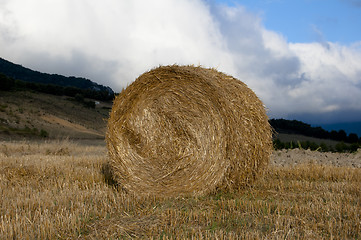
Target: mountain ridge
point(19, 72)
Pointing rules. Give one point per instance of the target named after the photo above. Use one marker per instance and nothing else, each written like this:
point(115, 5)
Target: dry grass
point(55, 190)
point(60, 117)
point(187, 130)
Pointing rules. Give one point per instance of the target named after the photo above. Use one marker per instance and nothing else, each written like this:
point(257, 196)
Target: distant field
point(284, 137)
point(55, 190)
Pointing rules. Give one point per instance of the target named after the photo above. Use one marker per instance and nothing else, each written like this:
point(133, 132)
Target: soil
point(301, 156)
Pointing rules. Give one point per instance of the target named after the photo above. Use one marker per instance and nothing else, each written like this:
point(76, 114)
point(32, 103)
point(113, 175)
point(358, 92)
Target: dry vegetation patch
point(37, 115)
point(64, 196)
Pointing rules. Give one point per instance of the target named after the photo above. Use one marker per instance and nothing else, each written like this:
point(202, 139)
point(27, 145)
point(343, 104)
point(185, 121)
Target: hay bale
point(187, 130)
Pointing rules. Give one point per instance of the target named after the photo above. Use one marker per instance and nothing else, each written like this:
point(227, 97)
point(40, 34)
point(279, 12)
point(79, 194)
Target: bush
point(89, 104)
point(43, 133)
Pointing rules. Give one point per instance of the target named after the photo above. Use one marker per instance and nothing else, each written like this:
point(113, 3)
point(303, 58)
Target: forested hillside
point(291, 134)
point(10, 84)
point(18, 72)
point(298, 127)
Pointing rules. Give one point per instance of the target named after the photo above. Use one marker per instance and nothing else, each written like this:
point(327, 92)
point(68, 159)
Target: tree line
point(298, 127)
point(10, 84)
point(16, 71)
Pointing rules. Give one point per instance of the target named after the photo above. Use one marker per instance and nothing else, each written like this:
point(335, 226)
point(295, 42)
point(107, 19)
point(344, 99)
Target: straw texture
point(180, 130)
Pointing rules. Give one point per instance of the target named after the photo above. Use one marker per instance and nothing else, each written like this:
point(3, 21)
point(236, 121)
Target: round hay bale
point(186, 130)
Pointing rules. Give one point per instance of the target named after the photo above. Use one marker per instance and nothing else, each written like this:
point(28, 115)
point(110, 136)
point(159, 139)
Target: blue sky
point(301, 57)
point(309, 20)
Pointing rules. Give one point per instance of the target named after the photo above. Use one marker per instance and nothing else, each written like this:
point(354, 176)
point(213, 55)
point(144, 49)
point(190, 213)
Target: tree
point(334, 135)
point(79, 98)
point(6, 83)
point(324, 147)
point(342, 136)
point(89, 104)
point(354, 147)
point(352, 138)
point(341, 147)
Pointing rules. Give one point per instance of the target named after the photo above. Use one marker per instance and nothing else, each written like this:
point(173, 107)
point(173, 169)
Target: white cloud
point(112, 42)
point(333, 74)
point(135, 34)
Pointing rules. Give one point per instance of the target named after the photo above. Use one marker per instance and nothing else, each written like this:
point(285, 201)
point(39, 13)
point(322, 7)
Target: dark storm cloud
point(345, 115)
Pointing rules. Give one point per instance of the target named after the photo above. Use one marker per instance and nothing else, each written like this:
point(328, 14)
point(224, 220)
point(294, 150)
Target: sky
point(301, 57)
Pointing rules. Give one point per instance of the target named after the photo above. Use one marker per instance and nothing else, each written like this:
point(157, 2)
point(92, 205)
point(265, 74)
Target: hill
point(291, 134)
point(300, 128)
point(26, 114)
point(18, 72)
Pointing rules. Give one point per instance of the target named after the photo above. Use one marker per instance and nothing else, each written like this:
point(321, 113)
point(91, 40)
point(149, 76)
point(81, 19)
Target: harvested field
point(55, 190)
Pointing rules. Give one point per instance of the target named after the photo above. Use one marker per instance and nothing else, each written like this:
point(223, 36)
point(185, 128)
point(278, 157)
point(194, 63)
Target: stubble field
point(55, 190)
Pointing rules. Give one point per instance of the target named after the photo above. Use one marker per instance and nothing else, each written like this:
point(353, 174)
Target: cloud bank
point(112, 42)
